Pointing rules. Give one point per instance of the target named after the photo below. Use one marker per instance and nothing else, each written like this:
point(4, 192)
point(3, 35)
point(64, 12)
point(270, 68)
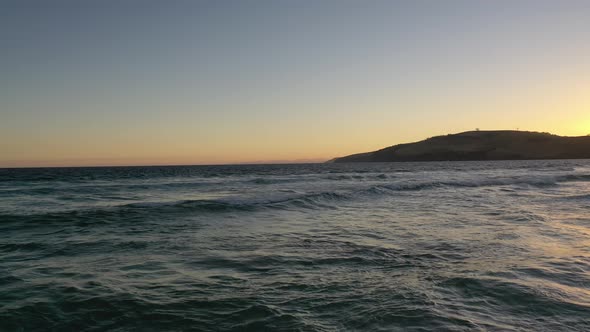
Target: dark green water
point(458, 246)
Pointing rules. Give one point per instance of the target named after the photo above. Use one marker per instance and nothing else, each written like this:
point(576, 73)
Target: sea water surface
point(447, 246)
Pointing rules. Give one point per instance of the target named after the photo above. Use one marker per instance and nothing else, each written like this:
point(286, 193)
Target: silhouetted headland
point(481, 145)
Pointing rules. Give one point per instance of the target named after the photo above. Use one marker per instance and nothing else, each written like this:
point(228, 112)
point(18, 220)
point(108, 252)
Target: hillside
point(481, 145)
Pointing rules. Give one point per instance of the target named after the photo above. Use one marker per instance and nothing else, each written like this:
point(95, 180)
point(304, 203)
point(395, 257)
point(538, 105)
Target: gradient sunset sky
point(208, 82)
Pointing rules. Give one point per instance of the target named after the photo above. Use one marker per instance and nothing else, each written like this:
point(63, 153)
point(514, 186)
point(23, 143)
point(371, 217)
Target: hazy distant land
point(481, 145)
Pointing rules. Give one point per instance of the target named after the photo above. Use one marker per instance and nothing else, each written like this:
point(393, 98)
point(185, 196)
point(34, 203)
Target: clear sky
point(200, 82)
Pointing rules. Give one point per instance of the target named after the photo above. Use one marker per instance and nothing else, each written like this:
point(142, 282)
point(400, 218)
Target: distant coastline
point(481, 145)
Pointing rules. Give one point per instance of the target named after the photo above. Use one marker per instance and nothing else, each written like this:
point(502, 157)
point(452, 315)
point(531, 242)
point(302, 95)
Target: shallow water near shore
point(457, 246)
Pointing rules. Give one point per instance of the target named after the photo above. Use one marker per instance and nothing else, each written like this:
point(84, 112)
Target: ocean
point(440, 246)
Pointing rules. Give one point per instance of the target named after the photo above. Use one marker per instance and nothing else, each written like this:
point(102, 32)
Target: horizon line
point(271, 162)
point(170, 165)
